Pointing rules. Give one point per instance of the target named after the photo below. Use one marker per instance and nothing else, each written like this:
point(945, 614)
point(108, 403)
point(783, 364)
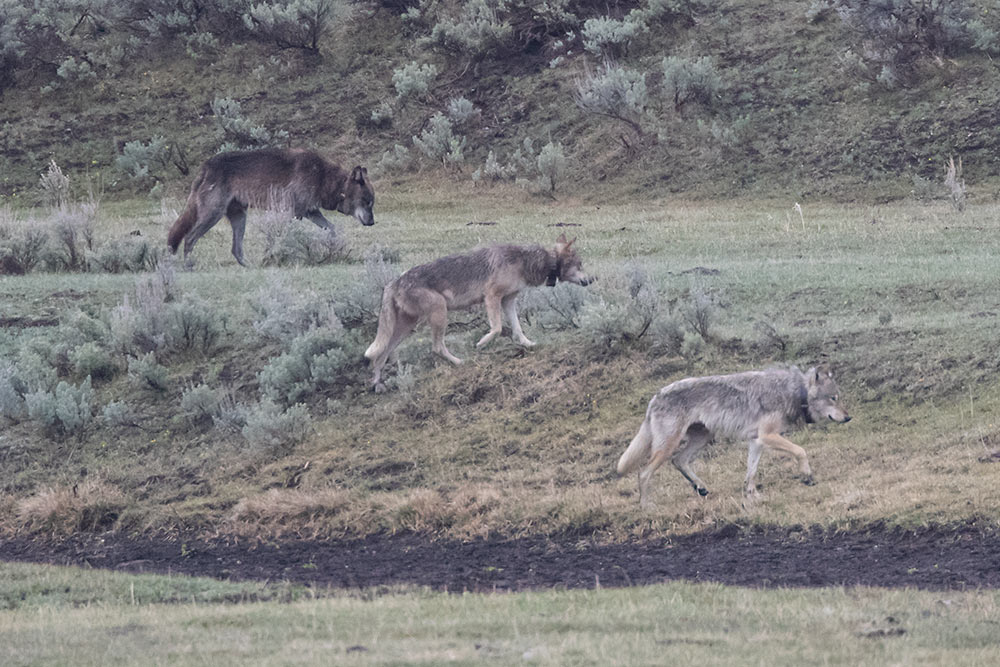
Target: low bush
point(269, 426)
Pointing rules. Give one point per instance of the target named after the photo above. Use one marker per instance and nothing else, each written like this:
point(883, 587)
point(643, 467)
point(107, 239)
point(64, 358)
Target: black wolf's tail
point(187, 219)
point(386, 323)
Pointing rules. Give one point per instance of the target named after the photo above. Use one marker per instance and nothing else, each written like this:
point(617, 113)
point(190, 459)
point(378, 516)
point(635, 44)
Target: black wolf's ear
point(358, 175)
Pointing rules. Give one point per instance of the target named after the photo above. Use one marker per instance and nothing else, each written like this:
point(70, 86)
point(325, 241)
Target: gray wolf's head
point(823, 396)
point(569, 266)
point(358, 197)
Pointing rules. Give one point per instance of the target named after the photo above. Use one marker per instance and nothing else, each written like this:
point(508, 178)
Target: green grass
point(900, 300)
point(120, 619)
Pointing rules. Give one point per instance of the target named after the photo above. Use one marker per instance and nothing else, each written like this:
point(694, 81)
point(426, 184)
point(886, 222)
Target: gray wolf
point(757, 406)
point(493, 275)
point(302, 180)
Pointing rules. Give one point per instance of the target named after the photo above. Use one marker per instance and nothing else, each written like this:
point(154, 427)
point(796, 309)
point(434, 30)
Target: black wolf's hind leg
point(237, 214)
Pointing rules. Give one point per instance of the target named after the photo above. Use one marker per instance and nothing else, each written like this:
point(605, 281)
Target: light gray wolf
point(493, 275)
point(757, 406)
point(301, 180)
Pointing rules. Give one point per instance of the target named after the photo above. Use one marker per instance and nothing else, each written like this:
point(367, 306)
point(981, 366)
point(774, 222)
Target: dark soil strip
point(936, 557)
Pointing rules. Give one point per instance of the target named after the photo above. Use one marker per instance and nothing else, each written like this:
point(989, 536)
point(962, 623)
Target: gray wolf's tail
point(187, 219)
point(386, 323)
point(639, 449)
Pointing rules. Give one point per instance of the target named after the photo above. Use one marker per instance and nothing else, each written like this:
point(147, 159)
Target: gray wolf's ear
point(813, 374)
point(358, 175)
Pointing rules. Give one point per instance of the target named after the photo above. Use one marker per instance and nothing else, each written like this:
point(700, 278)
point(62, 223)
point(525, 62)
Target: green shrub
point(301, 24)
point(67, 409)
point(282, 313)
point(610, 37)
point(129, 254)
point(117, 414)
point(12, 392)
point(413, 80)
point(200, 403)
point(315, 360)
point(194, 325)
point(22, 250)
point(478, 28)
point(616, 92)
point(269, 426)
point(359, 305)
point(237, 132)
point(551, 166)
point(690, 80)
point(71, 236)
point(92, 360)
point(146, 373)
point(305, 246)
point(439, 143)
point(54, 186)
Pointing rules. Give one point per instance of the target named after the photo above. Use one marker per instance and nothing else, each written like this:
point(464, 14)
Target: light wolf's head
point(569, 268)
point(823, 396)
point(358, 197)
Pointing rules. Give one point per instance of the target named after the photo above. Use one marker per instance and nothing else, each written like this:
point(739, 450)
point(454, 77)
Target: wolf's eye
point(833, 398)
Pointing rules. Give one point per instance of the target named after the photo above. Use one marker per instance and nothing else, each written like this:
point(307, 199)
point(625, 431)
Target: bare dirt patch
point(936, 557)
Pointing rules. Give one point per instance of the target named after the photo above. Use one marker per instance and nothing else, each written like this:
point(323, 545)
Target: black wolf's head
point(822, 396)
point(569, 268)
point(358, 198)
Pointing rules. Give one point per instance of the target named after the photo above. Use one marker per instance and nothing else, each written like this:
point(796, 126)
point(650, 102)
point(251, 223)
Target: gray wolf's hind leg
point(697, 437)
point(663, 448)
point(438, 320)
point(405, 323)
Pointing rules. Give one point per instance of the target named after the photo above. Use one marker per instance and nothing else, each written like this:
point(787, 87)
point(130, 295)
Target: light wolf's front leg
point(509, 304)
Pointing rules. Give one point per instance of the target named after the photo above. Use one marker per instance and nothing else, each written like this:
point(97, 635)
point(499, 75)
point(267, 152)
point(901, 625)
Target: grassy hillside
point(251, 413)
point(795, 101)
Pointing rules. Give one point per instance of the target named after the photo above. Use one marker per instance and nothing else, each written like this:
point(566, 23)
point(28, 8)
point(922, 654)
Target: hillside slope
point(790, 100)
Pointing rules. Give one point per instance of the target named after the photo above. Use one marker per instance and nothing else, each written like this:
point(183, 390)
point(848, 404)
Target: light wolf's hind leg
point(697, 437)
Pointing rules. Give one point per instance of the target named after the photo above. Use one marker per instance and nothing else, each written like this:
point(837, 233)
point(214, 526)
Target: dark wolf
point(756, 406)
point(493, 275)
point(297, 179)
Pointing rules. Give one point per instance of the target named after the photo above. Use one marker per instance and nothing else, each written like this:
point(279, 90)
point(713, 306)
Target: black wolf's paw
point(702, 491)
point(809, 481)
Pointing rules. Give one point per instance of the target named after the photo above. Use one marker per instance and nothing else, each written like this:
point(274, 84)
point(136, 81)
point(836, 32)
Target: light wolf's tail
point(188, 218)
point(638, 450)
point(386, 323)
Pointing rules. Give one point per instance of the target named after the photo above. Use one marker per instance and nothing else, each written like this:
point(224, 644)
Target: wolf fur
point(493, 275)
point(297, 179)
point(757, 406)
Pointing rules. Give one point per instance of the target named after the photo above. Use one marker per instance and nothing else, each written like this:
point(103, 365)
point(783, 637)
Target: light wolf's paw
point(379, 387)
point(526, 342)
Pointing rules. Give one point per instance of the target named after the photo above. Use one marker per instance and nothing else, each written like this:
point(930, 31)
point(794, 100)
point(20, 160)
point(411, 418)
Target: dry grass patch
point(280, 511)
point(87, 506)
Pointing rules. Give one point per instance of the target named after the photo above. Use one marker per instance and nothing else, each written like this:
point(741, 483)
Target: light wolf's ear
point(813, 375)
point(562, 245)
point(359, 174)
